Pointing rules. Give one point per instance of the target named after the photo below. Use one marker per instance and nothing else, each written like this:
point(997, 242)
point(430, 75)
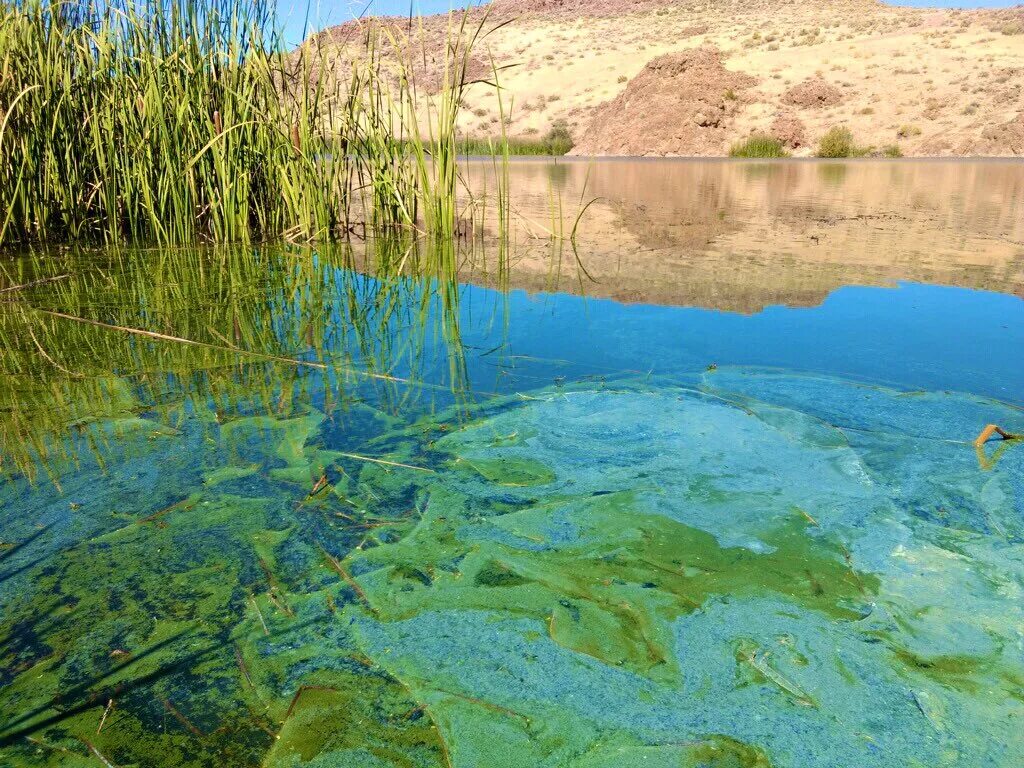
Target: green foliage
point(516, 146)
point(892, 150)
point(557, 141)
point(759, 145)
point(182, 121)
point(838, 142)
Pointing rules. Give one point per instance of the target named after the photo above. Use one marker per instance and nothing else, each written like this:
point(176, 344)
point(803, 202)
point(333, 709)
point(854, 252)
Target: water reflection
point(99, 337)
point(743, 236)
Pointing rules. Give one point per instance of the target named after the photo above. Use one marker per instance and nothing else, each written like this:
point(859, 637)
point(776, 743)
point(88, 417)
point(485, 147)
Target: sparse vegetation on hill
point(558, 141)
point(654, 77)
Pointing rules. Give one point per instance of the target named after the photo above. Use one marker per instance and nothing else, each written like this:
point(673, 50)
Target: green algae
point(228, 473)
point(725, 752)
point(512, 471)
point(289, 438)
point(243, 644)
point(613, 597)
point(714, 751)
point(339, 717)
point(151, 623)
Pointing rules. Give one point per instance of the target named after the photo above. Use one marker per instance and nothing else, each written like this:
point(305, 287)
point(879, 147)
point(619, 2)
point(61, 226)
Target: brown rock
point(813, 93)
point(789, 129)
point(680, 104)
point(1004, 139)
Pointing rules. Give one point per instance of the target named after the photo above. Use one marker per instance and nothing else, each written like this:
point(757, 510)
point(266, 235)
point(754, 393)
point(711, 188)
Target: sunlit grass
point(759, 145)
point(185, 121)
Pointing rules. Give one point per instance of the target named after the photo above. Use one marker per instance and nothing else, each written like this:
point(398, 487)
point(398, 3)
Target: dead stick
point(50, 360)
point(105, 713)
point(242, 666)
point(182, 719)
point(384, 461)
point(340, 569)
point(98, 754)
point(34, 282)
point(259, 613)
point(993, 429)
point(207, 345)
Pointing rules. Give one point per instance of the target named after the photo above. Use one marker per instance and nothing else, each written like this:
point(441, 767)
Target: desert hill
point(657, 77)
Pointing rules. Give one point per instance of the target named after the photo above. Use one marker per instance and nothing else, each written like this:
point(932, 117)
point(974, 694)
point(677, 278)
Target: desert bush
point(559, 139)
point(892, 150)
point(838, 142)
point(759, 145)
point(906, 131)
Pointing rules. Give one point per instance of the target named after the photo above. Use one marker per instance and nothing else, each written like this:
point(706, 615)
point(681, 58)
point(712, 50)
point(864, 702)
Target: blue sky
point(325, 13)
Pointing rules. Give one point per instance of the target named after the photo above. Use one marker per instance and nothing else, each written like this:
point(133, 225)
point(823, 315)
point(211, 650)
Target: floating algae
point(753, 573)
point(703, 563)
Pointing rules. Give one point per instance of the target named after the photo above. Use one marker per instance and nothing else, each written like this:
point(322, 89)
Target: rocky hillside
point(658, 77)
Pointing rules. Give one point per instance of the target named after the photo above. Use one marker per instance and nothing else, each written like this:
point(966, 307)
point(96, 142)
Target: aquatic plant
point(179, 121)
point(759, 145)
point(516, 146)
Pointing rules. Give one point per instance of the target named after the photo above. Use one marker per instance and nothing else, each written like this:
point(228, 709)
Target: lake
point(672, 464)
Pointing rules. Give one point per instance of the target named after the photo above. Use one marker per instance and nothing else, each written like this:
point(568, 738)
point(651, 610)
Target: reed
point(186, 121)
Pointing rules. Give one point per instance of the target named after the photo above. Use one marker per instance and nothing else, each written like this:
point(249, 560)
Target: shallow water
point(696, 489)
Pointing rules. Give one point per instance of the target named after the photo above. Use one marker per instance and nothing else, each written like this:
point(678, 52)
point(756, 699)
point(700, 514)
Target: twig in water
point(105, 713)
point(340, 569)
point(49, 359)
point(182, 719)
point(259, 613)
point(242, 666)
point(298, 694)
point(98, 754)
point(207, 345)
point(385, 462)
point(993, 429)
point(34, 282)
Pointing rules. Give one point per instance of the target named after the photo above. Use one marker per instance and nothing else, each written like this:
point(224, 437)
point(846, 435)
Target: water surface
point(696, 487)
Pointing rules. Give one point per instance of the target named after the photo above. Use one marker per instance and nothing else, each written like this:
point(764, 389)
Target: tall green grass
point(759, 145)
point(184, 121)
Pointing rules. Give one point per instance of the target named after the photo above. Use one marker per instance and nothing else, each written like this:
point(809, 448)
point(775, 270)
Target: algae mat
point(756, 568)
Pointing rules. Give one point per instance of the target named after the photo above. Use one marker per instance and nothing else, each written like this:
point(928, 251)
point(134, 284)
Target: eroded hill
point(693, 78)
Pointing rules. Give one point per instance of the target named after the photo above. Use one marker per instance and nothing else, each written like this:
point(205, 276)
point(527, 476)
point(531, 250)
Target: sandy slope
point(933, 82)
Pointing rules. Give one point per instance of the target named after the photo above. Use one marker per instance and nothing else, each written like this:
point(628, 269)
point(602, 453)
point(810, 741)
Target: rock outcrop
point(680, 104)
point(813, 92)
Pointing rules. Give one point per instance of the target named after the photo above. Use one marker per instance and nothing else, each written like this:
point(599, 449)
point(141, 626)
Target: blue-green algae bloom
point(736, 569)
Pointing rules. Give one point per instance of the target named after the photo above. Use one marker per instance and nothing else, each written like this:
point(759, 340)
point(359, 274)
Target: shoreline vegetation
point(187, 121)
